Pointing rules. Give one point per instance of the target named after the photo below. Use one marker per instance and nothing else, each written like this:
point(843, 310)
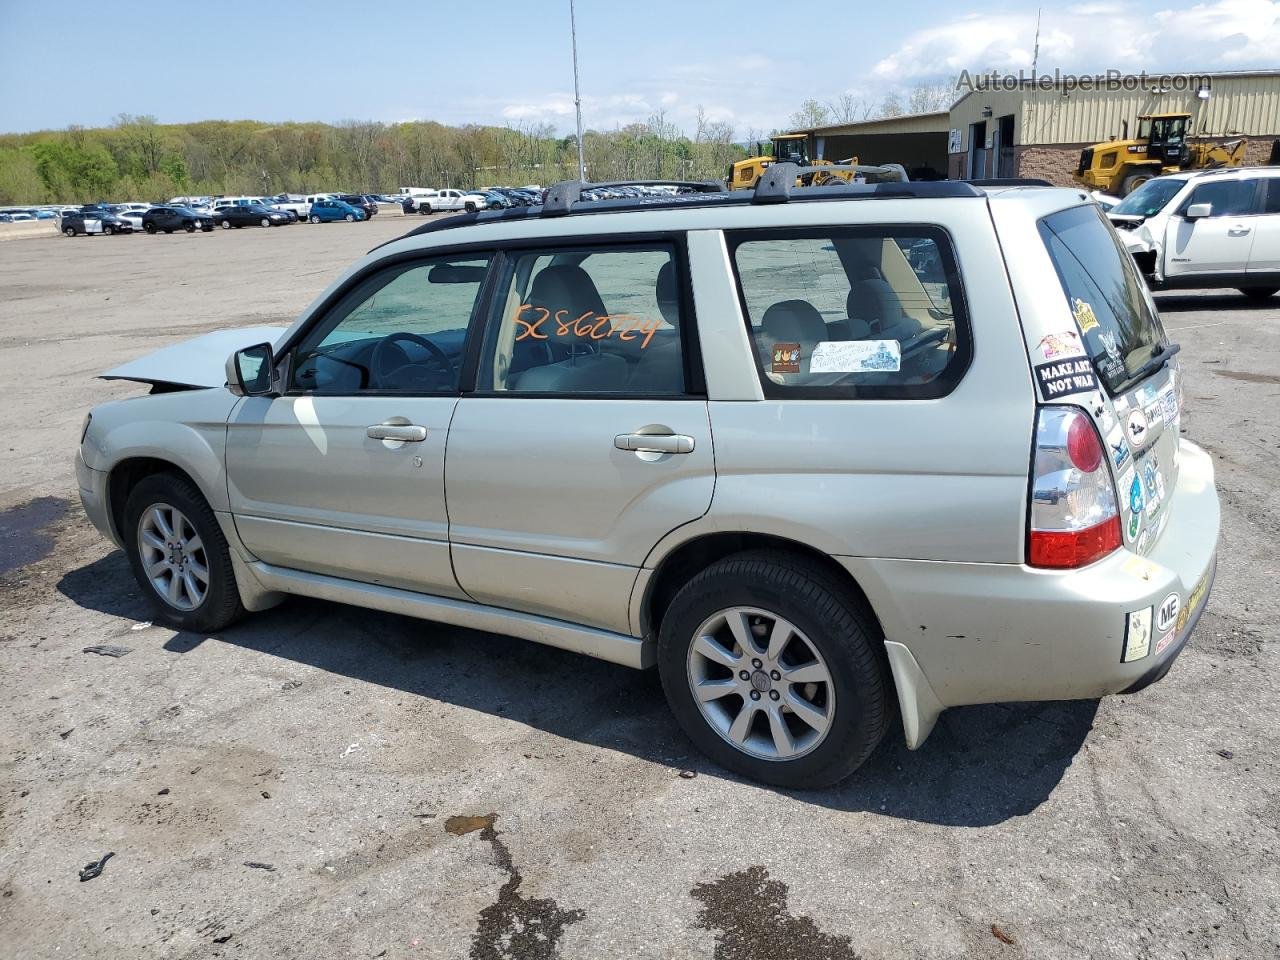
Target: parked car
point(326, 211)
point(1214, 228)
point(367, 204)
point(1018, 520)
point(166, 219)
point(94, 221)
point(298, 206)
point(18, 216)
point(251, 215)
point(132, 217)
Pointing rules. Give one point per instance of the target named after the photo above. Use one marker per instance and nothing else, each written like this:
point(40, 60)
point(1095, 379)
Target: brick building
point(1038, 130)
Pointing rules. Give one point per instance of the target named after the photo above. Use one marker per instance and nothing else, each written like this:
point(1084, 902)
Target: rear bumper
point(986, 633)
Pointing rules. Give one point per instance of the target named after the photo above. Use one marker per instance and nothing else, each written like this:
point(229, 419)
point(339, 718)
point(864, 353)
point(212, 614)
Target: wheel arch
point(685, 560)
point(128, 473)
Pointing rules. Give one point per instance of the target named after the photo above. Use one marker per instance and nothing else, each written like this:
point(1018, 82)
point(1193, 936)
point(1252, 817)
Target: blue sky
point(745, 62)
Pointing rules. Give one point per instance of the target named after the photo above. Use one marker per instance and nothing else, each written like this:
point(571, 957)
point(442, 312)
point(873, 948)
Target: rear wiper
point(1159, 357)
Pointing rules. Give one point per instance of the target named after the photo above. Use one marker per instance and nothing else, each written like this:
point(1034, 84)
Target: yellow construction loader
point(787, 148)
point(1120, 167)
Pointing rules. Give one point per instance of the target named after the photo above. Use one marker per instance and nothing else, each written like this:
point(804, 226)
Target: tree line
point(138, 158)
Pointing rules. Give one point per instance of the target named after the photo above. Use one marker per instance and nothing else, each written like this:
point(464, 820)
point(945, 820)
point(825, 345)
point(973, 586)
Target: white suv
point(1215, 228)
point(810, 451)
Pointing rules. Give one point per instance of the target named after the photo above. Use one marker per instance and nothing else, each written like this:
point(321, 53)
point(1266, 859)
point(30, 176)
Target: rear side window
point(1105, 293)
point(1273, 196)
point(854, 312)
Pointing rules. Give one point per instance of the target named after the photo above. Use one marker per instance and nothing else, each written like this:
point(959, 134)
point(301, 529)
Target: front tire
point(424, 208)
point(226, 224)
point(68, 231)
point(1132, 182)
point(179, 556)
point(149, 228)
point(314, 218)
point(774, 669)
point(351, 218)
point(109, 230)
point(264, 222)
point(190, 228)
point(1259, 294)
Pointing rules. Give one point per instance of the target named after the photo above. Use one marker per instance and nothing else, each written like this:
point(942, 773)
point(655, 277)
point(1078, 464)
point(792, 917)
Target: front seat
point(875, 310)
point(569, 291)
point(661, 368)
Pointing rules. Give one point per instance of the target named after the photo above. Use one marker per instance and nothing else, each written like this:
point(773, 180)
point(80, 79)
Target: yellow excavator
point(786, 148)
point(1120, 167)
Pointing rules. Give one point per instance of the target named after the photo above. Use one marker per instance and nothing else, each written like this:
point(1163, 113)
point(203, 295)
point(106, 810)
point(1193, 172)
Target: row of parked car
point(205, 213)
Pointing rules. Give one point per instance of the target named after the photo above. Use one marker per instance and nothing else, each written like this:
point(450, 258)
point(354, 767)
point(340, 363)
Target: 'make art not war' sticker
point(1066, 377)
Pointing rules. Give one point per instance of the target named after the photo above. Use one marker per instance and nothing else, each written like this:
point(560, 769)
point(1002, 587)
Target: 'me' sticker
point(1066, 377)
point(786, 358)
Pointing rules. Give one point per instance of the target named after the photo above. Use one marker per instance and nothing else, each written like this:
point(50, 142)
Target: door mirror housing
point(249, 371)
point(1198, 211)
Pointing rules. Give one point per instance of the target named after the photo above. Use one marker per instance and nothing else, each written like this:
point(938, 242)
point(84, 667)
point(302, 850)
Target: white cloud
point(1093, 37)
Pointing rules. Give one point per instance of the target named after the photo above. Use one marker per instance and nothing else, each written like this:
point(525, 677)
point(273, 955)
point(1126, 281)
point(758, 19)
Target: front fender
point(186, 428)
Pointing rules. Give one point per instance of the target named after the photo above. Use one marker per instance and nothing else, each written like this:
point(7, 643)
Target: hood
point(200, 362)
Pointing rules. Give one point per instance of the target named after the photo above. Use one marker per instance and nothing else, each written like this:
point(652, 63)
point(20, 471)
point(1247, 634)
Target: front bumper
point(988, 633)
point(93, 495)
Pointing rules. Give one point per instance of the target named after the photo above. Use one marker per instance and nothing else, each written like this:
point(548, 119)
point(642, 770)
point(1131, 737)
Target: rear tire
point(424, 208)
point(149, 228)
point(68, 231)
point(314, 218)
point(351, 218)
point(226, 224)
point(835, 641)
point(1259, 294)
point(471, 208)
point(190, 228)
point(206, 601)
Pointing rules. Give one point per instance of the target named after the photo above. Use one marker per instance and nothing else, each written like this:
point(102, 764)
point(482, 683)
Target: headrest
point(794, 321)
point(569, 288)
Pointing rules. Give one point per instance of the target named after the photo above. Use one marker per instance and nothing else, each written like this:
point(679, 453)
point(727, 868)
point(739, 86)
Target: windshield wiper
point(1159, 357)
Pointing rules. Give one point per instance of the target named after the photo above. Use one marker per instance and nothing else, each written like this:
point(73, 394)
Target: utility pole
point(577, 97)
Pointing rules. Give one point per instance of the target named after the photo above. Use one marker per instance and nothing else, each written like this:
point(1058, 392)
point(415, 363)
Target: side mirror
point(249, 371)
point(1198, 211)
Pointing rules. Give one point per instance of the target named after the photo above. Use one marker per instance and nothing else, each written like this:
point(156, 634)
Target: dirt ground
point(321, 781)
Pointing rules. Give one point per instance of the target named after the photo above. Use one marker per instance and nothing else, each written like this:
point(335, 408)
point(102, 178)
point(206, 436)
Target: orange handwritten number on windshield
point(588, 326)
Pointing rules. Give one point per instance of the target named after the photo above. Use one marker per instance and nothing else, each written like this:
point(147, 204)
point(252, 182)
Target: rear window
point(866, 312)
point(1105, 294)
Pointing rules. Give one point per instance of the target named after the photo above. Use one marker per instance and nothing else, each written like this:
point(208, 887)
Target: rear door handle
point(654, 442)
point(407, 432)
point(1239, 231)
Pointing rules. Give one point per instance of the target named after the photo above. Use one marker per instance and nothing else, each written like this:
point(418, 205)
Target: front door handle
point(1239, 231)
point(654, 442)
point(407, 432)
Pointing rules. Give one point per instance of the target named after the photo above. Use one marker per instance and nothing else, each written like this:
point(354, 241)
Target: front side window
point(400, 330)
point(854, 312)
point(1105, 294)
point(587, 320)
point(1229, 198)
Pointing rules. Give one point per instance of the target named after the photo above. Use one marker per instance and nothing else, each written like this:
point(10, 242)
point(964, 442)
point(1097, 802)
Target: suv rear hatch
point(1114, 360)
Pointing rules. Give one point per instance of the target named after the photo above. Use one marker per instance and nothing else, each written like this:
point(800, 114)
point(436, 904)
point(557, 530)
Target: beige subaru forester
point(808, 450)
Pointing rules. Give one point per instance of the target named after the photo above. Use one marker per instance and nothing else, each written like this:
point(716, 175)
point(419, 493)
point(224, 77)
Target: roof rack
point(778, 180)
point(561, 197)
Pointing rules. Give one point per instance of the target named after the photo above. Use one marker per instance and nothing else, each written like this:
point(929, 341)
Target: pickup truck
point(447, 200)
point(299, 205)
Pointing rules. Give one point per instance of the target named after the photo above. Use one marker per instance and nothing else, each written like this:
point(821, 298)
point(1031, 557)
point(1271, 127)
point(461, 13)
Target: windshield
point(1150, 198)
point(1105, 294)
point(184, 211)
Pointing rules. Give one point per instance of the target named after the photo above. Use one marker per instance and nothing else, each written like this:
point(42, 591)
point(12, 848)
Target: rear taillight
point(1073, 519)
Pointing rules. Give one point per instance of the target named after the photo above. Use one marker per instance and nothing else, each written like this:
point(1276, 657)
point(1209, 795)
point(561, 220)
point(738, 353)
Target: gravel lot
point(322, 781)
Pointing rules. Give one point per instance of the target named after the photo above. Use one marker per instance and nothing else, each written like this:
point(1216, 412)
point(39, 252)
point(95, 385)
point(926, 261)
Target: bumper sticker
point(1118, 446)
point(1164, 642)
point(1066, 378)
point(1136, 426)
point(1193, 601)
point(1137, 636)
point(1167, 614)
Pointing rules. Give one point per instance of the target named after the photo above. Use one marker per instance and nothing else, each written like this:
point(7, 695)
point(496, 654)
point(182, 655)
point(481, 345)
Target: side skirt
point(603, 644)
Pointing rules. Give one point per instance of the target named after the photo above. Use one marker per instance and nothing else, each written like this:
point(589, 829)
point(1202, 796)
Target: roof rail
point(778, 180)
point(561, 197)
point(1009, 182)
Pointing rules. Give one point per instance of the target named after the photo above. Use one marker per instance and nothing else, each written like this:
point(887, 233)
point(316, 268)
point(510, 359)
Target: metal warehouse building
point(1031, 131)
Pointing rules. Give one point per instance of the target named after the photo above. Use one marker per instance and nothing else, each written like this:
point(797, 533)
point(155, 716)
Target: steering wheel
point(380, 363)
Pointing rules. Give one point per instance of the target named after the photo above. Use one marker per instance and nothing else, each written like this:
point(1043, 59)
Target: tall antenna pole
point(577, 97)
point(1035, 56)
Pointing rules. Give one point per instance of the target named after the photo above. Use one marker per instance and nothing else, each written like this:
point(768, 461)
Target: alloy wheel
point(173, 556)
point(761, 684)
